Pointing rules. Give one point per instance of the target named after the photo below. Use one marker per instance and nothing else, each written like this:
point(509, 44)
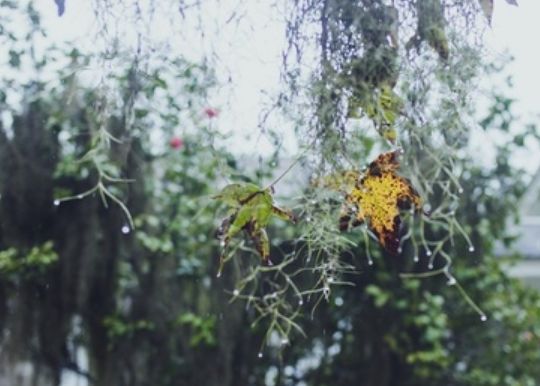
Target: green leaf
point(251, 211)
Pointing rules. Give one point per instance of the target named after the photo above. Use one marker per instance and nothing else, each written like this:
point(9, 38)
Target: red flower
point(176, 143)
point(211, 112)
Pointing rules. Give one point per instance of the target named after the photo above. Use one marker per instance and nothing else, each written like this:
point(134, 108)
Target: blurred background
point(120, 120)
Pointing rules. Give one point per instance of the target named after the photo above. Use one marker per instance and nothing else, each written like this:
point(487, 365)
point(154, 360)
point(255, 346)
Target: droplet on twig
point(126, 229)
point(56, 202)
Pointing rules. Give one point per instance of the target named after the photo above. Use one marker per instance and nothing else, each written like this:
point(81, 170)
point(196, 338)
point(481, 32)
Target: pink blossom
point(176, 142)
point(211, 112)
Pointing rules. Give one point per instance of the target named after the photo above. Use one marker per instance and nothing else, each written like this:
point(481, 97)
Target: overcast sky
point(250, 55)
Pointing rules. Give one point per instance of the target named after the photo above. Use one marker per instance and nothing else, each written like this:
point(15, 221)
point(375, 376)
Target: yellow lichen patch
point(343, 181)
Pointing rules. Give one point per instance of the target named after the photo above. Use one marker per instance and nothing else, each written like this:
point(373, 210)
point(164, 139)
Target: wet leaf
point(377, 198)
point(251, 209)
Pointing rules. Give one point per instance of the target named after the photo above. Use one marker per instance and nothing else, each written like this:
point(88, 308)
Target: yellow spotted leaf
point(377, 198)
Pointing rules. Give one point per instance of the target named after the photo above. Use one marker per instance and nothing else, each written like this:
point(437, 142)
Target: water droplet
point(300, 302)
point(399, 250)
point(222, 243)
point(471, 248)
point(308, 219)
point(401, 151)
point(236, 292)
point(370, 262)
point(218, 275)
point(483, 318)
point(430, 266)
point(416, 259)
point(326, 291)
point(126, 229)
point(80, 196)
point(260, 355)
point(284, 341)
point(56, 202)
point(428, 252)
point(330, 280)
point(313, 202)
point(460, 190)
point(451, 281)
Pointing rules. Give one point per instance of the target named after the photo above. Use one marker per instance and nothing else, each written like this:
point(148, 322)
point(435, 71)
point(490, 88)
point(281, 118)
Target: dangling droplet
point(126, 229)
point(483, 318)
point(300, 302)
point(471, 248)
point(260, 355)
point(80, 196)
point(451, 281)
point(428, 252)
point(430, 266)
point(236, 292)
point(284, 341)
point(222, 243)
point(56, 202)
point(460, 190)
point(416, 259)
point(326, 291)
point(218, 275)
point(370, 262)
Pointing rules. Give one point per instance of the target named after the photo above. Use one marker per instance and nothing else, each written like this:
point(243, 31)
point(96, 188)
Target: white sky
point(250, 55)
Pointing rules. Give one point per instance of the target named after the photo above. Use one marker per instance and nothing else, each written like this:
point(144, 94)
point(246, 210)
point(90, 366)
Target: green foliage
point(202, 328)
point(118, 328)
point(37, 260)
